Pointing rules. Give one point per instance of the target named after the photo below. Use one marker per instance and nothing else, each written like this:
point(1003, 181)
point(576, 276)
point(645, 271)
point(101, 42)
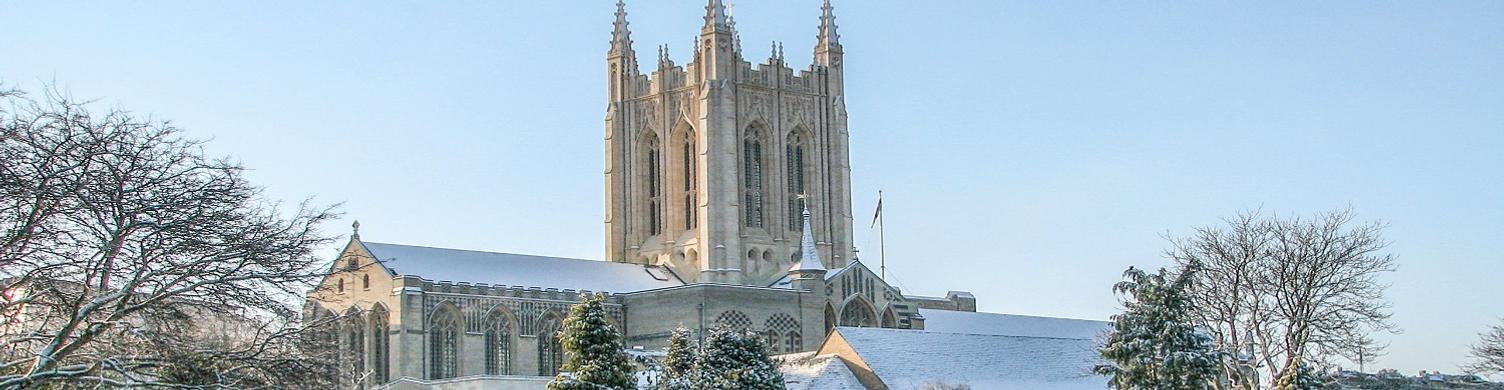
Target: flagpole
point(882, 241)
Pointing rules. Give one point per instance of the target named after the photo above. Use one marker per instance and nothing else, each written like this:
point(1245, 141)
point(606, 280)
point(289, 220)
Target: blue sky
point(1029, 151)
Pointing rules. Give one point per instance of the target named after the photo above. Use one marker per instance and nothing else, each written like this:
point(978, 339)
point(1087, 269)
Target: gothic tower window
point(550, 351)
point(443, 345)
point(688, 152)
point(794, 158)
point(655, 185)
point(752, 171)
point(379, 347)
point(498, 345)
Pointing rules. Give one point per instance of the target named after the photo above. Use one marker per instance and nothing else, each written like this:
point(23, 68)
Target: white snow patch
point(804, 371)
point(912, 359)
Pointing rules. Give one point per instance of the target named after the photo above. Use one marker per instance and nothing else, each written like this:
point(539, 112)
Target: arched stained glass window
point(355, 341)
point(858, 313)
point(498, 345)
point(443, 345)
point(550, 350)
point(379, 345)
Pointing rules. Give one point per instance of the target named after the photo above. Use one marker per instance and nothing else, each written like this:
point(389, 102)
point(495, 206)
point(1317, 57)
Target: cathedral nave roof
point(510, 269)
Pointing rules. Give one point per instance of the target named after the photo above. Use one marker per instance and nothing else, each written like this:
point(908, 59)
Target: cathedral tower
point(708, 163)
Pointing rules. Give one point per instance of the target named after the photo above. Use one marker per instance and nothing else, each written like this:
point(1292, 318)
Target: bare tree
point(129, 258)
point(1488, 353)
point(1278, 291)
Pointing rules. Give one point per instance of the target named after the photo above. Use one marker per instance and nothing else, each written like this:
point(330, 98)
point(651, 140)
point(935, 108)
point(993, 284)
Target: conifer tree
point(735, 360)
point(1154, 344)
point(594, 358)
point(679, 362)
point(1303, 377)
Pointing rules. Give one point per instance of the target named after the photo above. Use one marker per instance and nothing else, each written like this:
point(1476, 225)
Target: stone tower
point(707, 163)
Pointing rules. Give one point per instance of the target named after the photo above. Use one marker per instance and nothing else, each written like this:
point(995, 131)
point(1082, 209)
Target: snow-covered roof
point(1011, 324)
point(912, 359)
point(805, 371)
point(508, 269)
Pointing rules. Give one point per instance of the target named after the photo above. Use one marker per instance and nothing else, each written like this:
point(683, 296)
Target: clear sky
point(1030, 151)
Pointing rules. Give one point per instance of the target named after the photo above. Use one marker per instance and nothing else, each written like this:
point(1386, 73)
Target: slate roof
point(1011, 324)
point(509, 269)
point(912, 359)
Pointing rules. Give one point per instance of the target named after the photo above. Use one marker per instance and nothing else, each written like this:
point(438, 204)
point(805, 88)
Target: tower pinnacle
point(829, 39)
point(621, 36)
point(715, 17)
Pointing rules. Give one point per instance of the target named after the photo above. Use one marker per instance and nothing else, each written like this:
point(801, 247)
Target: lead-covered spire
point(621, 36)
point(829, 39)
point(809, 258)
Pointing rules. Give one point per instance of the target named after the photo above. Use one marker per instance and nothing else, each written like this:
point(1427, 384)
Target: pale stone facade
point(706, 161)
point(705, 167)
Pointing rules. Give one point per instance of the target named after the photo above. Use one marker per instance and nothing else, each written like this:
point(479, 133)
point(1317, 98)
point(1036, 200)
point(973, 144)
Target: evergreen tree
point(679, 362)
point(735, 360)
point(1154, 344)
point(1303, 377)
point(594, 358)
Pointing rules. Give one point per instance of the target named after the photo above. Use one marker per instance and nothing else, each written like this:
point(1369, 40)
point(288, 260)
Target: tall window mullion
point(689, 183)
point(794, 157)
point(752, 177)
point(655, 188)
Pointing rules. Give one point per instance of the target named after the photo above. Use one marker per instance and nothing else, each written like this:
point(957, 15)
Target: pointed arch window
point(550, 350)
point(355, 339)
point(889, 319)
point(688, 153)
point(794, 342)
point(794, 158)
point(830, 319)
point(752, 171)
point(443, 345)
point(858, 313)
point(498, 345)
point(379, 346)
point(655, 185)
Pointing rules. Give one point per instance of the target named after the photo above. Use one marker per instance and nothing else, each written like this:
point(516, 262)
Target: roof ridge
point(962, 333)
point(1016, 315)
point(498, 253)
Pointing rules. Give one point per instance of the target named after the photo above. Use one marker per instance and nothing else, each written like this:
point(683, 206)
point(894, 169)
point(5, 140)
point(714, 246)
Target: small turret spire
point(829, 39)
point(715, 16)
point(809, 259)
point(621, 36)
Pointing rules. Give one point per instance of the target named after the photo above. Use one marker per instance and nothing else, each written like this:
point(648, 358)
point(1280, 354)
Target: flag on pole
point(879, 213)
